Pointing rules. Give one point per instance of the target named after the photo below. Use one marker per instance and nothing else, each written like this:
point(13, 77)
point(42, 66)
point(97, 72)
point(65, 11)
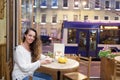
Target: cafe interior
point(64, 66)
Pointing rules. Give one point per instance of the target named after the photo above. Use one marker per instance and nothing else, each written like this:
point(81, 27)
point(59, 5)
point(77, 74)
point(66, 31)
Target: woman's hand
point(47, 60)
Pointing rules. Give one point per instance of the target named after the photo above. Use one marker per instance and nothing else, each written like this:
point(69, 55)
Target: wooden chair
point(73, 56)
point(86, 61)
point(30, 78)
point(116, 75)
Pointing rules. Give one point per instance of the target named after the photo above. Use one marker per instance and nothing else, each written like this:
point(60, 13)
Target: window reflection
point(97, 4)
point(54, 3)
point(54, 18)
point(43, 4)
point(117, 6)
point(65, 3)
point(109, 36)
point(71, 35)
point(82, 40)
point(93, 40)
point(76, 3)
point(43, 18)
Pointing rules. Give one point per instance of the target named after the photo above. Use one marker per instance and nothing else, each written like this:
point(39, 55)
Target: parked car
point(46, 40)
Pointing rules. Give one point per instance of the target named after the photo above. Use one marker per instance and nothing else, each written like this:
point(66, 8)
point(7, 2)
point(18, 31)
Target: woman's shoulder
point(19, 47)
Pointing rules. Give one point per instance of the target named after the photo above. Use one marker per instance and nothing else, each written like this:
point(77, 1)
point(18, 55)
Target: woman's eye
point(30, 35)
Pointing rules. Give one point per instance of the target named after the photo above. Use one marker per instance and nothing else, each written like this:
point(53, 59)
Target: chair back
point(73, 56)
point(86, 62)
point(116, 69)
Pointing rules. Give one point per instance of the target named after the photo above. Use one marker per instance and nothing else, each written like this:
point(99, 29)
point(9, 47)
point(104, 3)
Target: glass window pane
point(82, 40)
point(65, 17)
point(53, 32)
point(116, 18)
point(97, 4)
point(65, 3)
point(43, 2)
point(109, 36)
point(87, 4)
point(54, 3)
point(71, 35)
point(43, 31)
point(117, 5)
point(76, 3)
point(43, 19)
point(93, 40)
point(95, 17)
point(75, 17)
point(106, 18)
point(107, 4)
point(86, 17)
point(54, 18)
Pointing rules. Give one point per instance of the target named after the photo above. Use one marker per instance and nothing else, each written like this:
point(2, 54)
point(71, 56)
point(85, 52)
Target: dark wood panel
point(2, 59)
point(107, 68)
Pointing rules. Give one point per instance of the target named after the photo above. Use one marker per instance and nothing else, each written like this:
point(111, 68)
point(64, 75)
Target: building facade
point(49, 14)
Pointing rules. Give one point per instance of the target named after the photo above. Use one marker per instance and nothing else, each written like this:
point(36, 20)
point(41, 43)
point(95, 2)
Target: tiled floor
point(95, 70)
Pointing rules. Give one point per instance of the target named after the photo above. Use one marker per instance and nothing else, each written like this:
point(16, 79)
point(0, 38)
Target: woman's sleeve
point(23, 63)
point(42, 56)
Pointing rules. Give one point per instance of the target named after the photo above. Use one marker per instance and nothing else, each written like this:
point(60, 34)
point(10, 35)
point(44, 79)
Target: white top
point(23, 66)
point(70, 64)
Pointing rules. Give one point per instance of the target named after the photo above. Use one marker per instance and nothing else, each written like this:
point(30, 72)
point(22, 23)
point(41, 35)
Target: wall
point(3, 28)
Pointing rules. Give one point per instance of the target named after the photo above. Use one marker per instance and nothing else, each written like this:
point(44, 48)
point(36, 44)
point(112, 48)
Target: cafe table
point(56, 69)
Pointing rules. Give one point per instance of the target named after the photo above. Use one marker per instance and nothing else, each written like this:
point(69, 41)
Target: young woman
point(28, 57)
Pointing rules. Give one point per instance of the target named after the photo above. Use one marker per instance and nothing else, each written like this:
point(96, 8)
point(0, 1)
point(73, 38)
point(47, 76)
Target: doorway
point(87, 42)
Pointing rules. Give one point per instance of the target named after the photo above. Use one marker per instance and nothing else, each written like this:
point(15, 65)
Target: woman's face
point(30, 37)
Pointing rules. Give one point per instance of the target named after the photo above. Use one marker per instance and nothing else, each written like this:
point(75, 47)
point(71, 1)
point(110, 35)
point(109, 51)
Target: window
point(95, 17)
point(54, 3)
point(54, 18)
point(43, 4)
point(109, 35)
point(35, 3)
point(53, 32)
point(71, 36)
point(65, 3)
point(117, 6)
point(86, 3)
point(86, 17)
point(75, 17)
point(43, 18)
point(76, 3)
point(93, 40)
point(43, 31)
point(65, 17)
point(116, 18)
point(106, 18)
point(107, 4)
point(97, 3)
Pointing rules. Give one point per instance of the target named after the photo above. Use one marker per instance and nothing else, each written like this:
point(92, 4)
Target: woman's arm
point(23, 60)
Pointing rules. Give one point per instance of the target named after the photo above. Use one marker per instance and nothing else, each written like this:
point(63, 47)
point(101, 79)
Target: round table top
point(117, 58)
point(70, 64)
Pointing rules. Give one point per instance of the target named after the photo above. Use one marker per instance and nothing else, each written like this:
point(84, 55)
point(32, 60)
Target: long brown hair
point(35, 47)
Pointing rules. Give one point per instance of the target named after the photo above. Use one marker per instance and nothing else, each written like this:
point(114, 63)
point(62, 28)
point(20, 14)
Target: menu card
point(59, 50)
